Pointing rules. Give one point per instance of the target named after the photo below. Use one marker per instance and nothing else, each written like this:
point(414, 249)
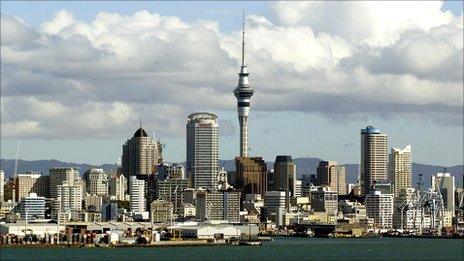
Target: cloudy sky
point(76, 77)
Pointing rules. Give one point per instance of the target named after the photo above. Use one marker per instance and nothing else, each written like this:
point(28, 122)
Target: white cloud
point(72, 79)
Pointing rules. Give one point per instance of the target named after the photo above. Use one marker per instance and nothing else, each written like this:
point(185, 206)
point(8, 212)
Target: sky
point(78, 76)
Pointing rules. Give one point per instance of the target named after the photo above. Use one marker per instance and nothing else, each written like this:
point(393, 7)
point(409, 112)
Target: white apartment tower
point(118, 187)
point(96, 182)
point(203, 149)
point(70, 197)
point(374, 158)
point(138, 202)
point(380, 208)
point(243, 93)
point(400, 168)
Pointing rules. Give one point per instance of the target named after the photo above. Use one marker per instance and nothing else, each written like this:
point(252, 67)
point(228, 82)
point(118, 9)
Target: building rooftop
point(370, 130)
point(140, 133)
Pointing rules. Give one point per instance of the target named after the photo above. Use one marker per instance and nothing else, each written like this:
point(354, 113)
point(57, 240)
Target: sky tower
point(243, 92)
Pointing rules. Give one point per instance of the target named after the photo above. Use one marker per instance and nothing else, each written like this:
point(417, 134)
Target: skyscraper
point(374, 157)
point(243, 93)
point(31, 183)
point(285, 176)
point(332, 175)
point(251, 176)
point(400, 168)
point(140, 154)
point(203, 149)
point(138, 202)
point(60, 175)
point(96, 182)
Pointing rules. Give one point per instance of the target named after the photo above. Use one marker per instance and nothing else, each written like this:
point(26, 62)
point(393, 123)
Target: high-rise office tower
point(140, 154)
point(374, 158)
point(2, 184)
point(138, 202)
point(251, 176)
point(60, 175)
point(446, 184)
point(31, 183)
point(118, 186)
point(243, 93)
point(285, 176)
point(400, 168)
point(203, 149)
point(96, 182)
point(332, 175)
point(33, 207)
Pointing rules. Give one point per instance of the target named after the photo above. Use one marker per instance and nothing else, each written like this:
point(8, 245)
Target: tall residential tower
point(374, 158)
point(243, 92)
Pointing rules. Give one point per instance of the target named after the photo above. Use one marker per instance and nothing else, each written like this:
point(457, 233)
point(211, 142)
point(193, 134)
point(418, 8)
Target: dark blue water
point(279, 249)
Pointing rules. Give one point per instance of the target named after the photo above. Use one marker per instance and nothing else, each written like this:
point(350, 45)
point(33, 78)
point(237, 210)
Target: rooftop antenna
point(140, 122)
point(243, 39)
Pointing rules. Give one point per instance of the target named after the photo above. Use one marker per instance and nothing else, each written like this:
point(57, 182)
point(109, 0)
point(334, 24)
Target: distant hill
point(43, 166)
point(304, 166)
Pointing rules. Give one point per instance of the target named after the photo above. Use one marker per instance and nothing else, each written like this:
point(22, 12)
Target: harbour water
point(279, 249)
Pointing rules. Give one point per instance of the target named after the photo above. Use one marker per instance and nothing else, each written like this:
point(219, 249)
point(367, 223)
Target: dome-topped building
point(140, 133)
point(140, 154)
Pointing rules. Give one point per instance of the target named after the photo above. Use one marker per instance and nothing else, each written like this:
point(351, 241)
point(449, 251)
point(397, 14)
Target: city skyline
point(328, 130)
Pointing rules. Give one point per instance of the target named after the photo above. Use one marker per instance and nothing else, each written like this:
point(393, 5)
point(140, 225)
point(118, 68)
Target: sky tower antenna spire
point(243, 38)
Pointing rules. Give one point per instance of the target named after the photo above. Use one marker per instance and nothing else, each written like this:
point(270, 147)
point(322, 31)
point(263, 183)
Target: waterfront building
point(274, 202)
point(118, 187)
point(60, 175)
point(203, 149)
point(171, 191)
point(218, 205)
point(324, 200)
point(188, 210)
point(96, 182)
point(109, 212)
point(446, 184)
point(31, 182)
point(379, 207)
point(243, 93)
point(251, 176)
point(140, 155)
point(138, 202)
point(2, 185)
point(33, 207)
point(400, 168)
point(285, 176)
point(161, 211)
point(374, 159)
